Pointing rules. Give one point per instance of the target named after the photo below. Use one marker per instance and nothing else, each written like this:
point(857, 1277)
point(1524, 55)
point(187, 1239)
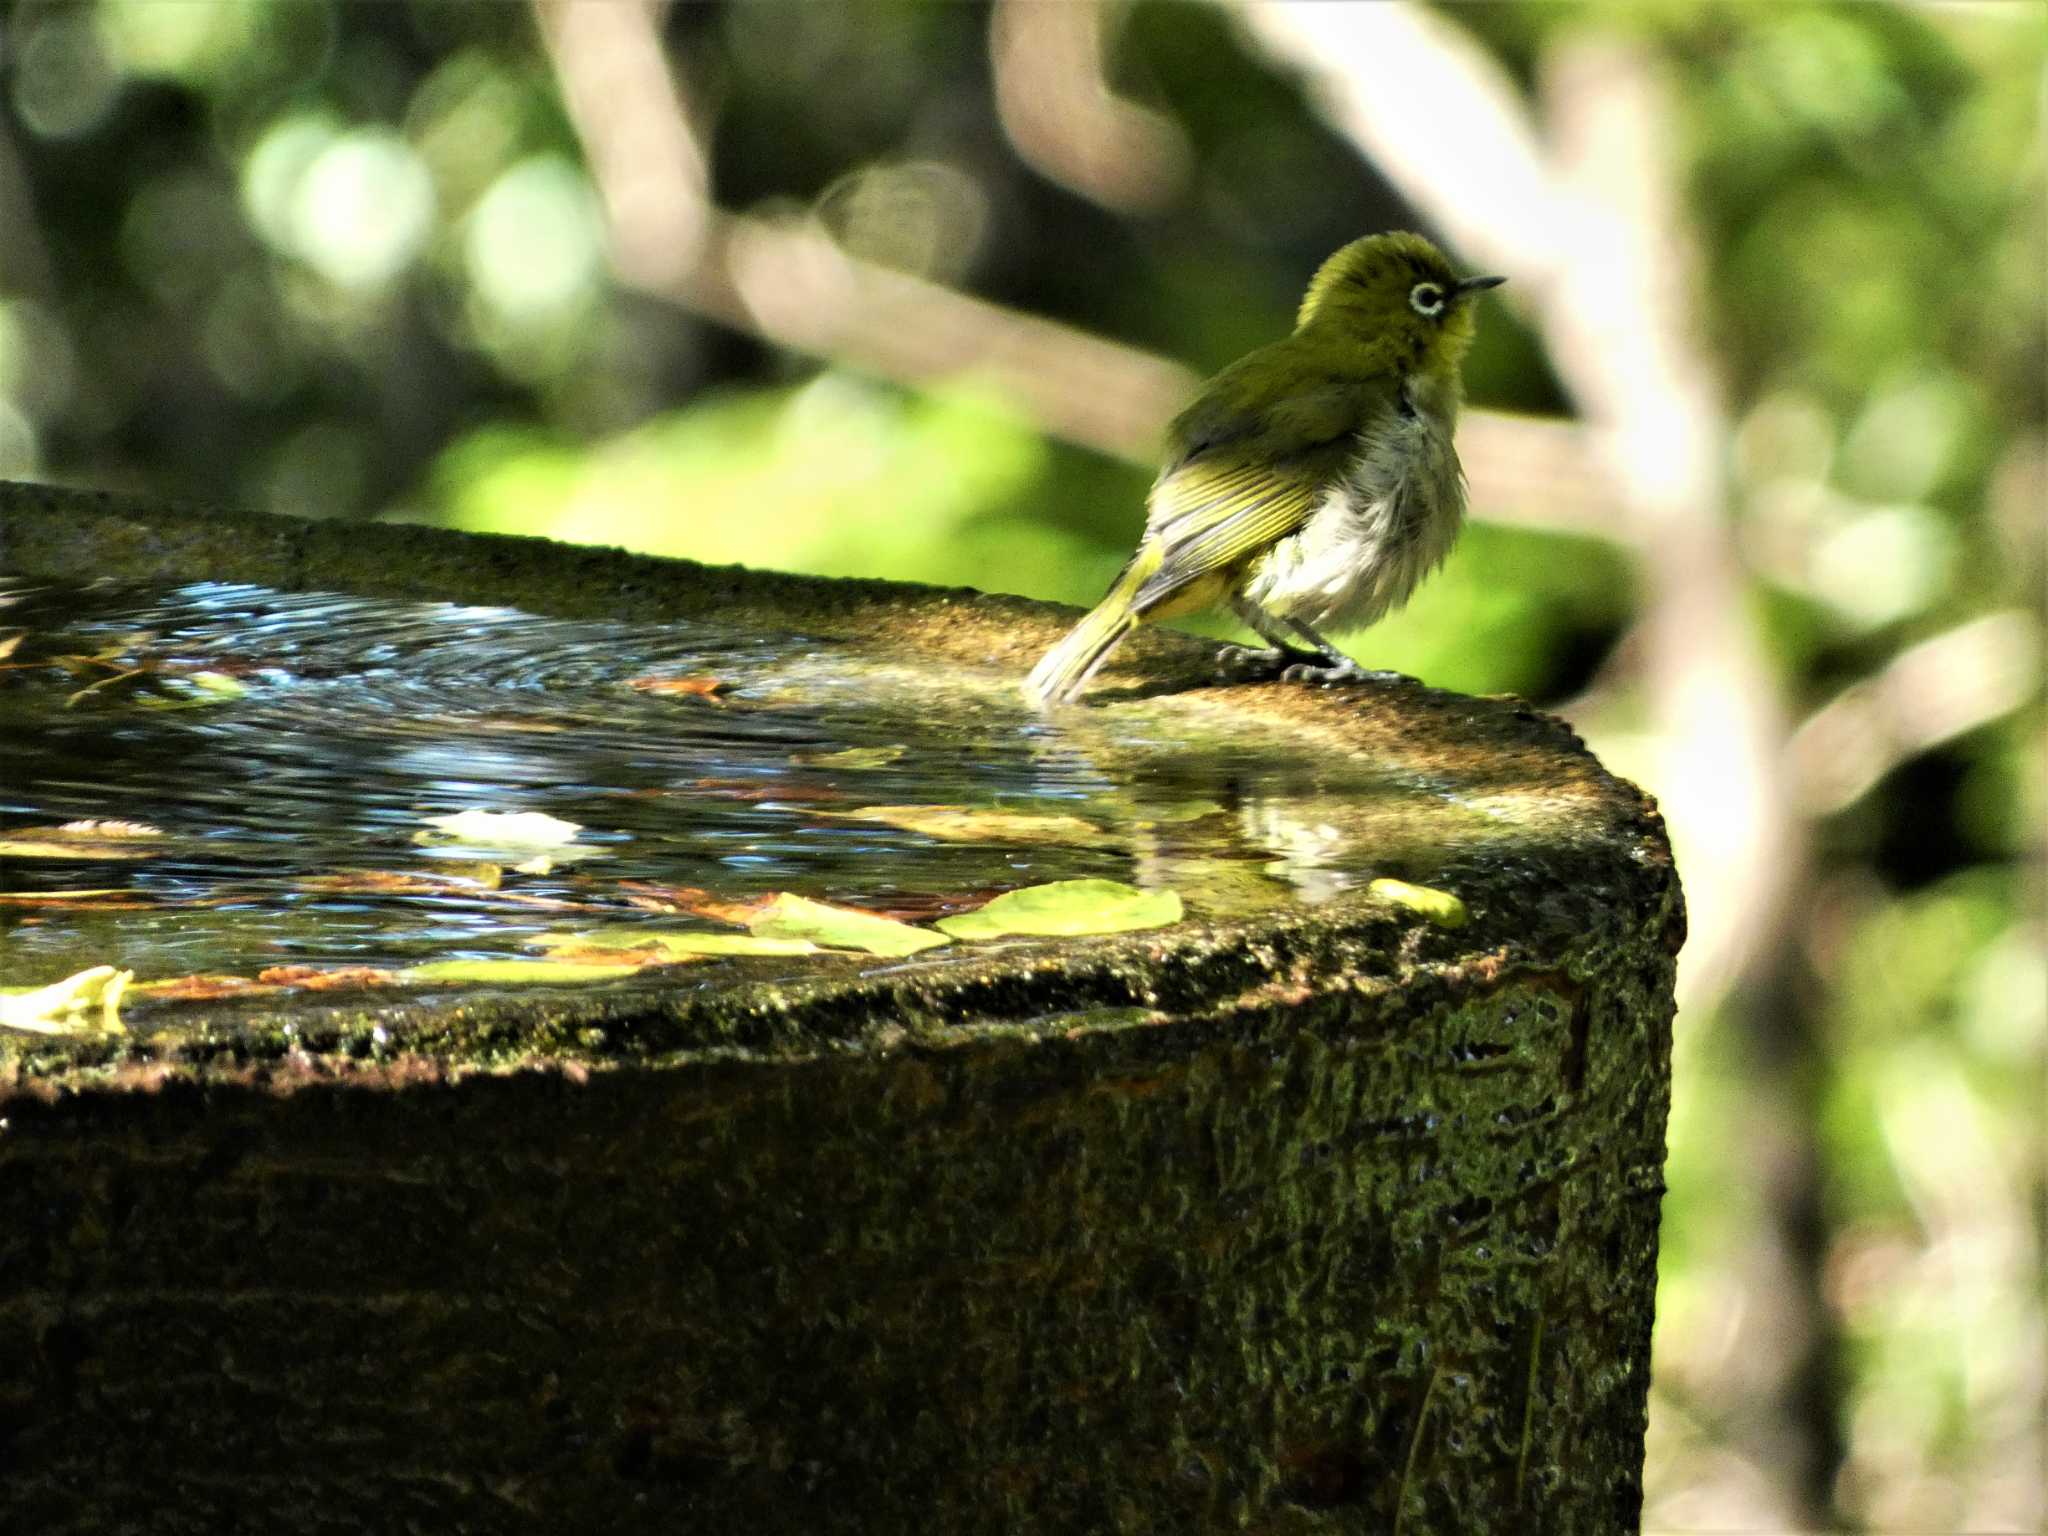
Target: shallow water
point(283, 745)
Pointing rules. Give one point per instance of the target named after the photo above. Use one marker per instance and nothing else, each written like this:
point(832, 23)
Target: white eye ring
point(1426, 299)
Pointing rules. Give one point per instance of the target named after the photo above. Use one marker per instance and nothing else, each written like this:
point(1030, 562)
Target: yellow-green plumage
point(1312, 482)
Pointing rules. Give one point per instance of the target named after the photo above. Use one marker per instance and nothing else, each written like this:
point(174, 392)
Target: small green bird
point(1313, 483)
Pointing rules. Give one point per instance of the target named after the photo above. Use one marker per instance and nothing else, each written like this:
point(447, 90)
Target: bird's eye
point(1426, 299)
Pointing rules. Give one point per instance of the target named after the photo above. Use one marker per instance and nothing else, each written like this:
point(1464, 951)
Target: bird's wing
point(1244, 482)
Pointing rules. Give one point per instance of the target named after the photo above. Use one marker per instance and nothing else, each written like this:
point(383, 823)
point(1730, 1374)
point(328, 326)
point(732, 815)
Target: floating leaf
point(314, 978)
point(549, 835)
point(855, 758)
point(517, 972)
point(202, 986)
point(963, 824)
point(101, 898)
point(1067, 908)
point(122, 675)
point(701, 687)
point(218, 684)
point(61, 1007)
point(646, 959)
point(796, 917)
point(500, 829)
point(107, 830)
point(695, 944)
point(55, 843)
point(193, 690)
point(8, 644)
point(1440, 907)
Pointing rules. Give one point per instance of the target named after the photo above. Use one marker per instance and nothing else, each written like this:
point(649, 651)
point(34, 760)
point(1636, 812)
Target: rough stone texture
point(1331, 1221)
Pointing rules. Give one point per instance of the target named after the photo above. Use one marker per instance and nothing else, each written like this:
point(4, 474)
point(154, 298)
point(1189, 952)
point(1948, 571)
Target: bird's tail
point(1064, 670)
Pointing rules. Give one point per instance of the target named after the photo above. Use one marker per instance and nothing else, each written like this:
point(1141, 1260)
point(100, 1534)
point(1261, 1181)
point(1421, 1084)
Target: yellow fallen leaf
point(632, 940)
point(517, 972)
point(966, 824)
point(798, 917)
point(60, 1008)
point(1440, 907)
point(1069, 908)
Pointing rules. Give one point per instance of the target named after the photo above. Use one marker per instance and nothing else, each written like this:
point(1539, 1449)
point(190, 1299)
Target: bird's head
point(1395, 290)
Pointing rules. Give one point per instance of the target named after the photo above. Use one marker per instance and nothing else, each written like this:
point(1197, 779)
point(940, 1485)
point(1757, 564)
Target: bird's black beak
point(1475, 284)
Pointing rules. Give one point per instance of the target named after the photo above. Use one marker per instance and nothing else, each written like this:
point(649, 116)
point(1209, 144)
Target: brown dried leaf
point(66, 899)
point(689, 898)
point(315, 979)
point(399, 882)
point(699, 686)
point(201, 987)
point(28, 845)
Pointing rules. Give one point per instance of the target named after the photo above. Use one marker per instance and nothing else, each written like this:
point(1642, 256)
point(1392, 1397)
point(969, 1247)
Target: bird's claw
point(1251, 664)
point(1324, 674)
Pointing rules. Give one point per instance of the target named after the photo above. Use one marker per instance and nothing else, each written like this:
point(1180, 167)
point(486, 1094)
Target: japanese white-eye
point(1312, 483)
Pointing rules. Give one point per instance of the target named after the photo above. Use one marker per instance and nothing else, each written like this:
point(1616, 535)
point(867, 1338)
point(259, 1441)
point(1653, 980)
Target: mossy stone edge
point(1336, 1221)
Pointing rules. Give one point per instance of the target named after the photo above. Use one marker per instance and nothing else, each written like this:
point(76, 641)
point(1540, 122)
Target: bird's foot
point(1324, 673)
point(1252, 664)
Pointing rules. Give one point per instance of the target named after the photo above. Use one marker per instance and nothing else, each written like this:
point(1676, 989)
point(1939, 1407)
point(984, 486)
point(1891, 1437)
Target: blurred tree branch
point(1057, 107)
point(792, 285)
point(1929, 693)
point(1587, 223)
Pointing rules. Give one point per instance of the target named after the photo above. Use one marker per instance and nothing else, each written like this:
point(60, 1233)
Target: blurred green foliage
point(347, 260)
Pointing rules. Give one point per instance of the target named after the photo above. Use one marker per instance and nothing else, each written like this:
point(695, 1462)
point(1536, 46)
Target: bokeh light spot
point(534, 245)
point(64, 83)
point(361, 210)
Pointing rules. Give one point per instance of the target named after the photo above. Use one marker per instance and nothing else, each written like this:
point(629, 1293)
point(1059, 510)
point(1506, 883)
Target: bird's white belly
point(1380, 528)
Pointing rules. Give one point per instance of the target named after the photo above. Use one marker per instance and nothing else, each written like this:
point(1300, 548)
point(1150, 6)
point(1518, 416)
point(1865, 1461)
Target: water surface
point(288, 750)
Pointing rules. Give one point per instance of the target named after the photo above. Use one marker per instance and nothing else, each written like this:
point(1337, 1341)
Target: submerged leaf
point(498, 972)
point(1067, 908)
point(964, 824)
point(753, 792)
point(855, 758)
point(797, 917)
point(394, 882)
point(61, 1007)
point(626, 940)
point(1173, 815)
point(1440, 907)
